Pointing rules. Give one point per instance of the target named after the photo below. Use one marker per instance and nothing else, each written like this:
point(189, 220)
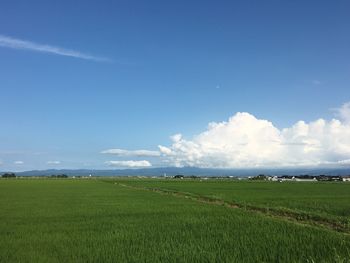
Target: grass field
point(48, 220)
point(325, 201)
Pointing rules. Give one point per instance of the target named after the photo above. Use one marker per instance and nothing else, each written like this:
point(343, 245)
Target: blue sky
point(142, 71)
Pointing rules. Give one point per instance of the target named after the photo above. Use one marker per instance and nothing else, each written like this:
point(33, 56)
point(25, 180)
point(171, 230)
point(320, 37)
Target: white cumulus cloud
point(15, 43)
point(137, 153)
point(344, 162)
point(130, 164)
point(18, 162)
point(246, 141)
point(344, 112)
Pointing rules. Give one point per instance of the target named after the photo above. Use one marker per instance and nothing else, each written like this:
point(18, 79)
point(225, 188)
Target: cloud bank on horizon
point(15, 43)
point(129, 164)
point(138, 153)
point(245, 141)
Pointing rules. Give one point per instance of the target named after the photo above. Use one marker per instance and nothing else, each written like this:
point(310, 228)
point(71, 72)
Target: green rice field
point(126, 220)
point(327, 201)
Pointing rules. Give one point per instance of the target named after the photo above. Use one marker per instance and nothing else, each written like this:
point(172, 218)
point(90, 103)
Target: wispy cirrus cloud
point(15, 43)
point(316, 82)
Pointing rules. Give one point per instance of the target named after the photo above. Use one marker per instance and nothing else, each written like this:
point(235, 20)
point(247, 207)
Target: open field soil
point(124, 220)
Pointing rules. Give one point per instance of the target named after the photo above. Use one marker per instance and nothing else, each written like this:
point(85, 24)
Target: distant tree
point(59, 176)
point(260, 177)
point(8, 175)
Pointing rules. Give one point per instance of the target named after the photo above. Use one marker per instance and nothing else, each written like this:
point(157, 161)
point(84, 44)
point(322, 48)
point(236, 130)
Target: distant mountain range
point(170, 171)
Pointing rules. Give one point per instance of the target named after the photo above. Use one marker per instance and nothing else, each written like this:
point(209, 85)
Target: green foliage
point(8, 175)
point(43, 220)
